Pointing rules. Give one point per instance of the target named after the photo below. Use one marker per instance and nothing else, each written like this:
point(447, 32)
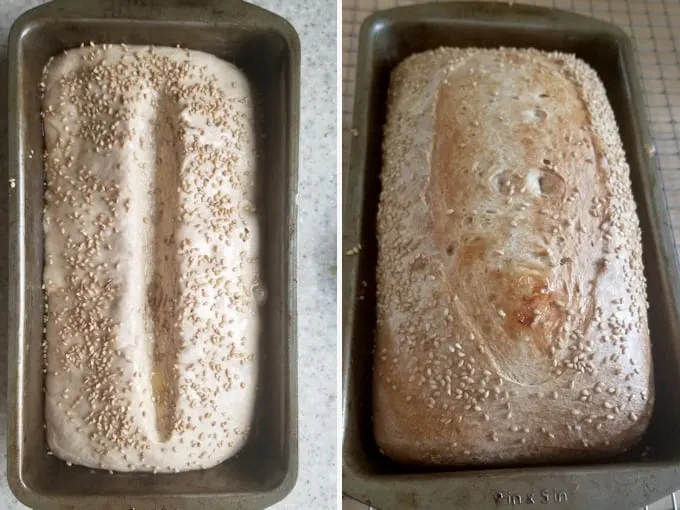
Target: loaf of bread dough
point(512, 309)
point(151, 270)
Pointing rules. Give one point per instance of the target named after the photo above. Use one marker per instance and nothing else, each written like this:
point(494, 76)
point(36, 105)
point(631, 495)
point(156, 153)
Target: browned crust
point(512, 311)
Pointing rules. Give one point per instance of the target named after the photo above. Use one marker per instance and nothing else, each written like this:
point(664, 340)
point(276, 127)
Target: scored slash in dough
point(151, 258)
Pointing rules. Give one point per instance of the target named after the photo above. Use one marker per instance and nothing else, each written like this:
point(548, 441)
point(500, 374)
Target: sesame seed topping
point(442, 274)
point(148, 211)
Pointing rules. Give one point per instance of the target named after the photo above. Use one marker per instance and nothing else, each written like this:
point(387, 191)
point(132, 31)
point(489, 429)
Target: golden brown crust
point(512, 311)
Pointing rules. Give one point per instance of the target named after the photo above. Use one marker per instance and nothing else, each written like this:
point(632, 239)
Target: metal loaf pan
point(266, 48)
point(644, 474)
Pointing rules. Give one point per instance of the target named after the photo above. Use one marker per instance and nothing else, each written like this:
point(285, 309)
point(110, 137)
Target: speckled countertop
point(315, 21)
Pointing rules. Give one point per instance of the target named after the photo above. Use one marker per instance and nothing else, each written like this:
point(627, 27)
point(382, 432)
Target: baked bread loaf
point(512, 311)
point(151, 273)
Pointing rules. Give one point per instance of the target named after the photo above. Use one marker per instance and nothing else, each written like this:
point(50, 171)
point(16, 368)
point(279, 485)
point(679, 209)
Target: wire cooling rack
point(655, 28)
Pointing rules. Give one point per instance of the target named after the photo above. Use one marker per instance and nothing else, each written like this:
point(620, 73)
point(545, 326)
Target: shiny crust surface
point(512, 310)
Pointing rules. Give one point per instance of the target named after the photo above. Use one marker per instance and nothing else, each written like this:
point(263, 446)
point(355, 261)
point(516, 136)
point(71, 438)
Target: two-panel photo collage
point(340, 254)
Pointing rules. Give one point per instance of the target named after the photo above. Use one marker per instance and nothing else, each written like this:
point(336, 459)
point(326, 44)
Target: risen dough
point(151, 275)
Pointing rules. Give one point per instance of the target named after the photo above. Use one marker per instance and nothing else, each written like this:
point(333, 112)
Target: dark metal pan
point(267, 49)
point(644, 474)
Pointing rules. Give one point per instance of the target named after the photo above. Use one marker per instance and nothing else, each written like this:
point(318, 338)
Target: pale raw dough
point(151, 249)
